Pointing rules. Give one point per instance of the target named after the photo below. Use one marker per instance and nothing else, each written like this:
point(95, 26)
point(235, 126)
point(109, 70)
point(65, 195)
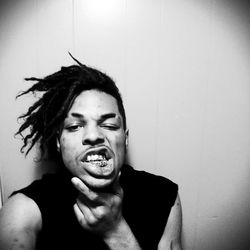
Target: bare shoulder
point(171, 238)
point(20, 222)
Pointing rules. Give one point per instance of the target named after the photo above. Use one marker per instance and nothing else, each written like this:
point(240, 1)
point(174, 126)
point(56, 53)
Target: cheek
point(68, 148)
point(120, 145)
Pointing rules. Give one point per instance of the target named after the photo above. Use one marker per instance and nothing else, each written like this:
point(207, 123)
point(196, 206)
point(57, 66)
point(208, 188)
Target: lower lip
point(100, 171)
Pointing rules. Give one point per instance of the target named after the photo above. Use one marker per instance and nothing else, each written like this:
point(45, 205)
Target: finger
point(79, 184)
point(80, 216)
point(84, 190)
point(89, 218)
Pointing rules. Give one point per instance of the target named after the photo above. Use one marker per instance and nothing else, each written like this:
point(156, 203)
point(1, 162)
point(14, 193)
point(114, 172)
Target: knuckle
point(117, 200)
point(82, 221)
point(100, 212)
point(92, 221)
point(93, 196)
point(83, 189)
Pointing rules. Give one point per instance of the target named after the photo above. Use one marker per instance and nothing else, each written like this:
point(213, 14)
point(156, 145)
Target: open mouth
point(95, 154)
point(97, 159)
point(98, 162)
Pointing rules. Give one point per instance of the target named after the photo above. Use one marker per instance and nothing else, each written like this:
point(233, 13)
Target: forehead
point(94, 102)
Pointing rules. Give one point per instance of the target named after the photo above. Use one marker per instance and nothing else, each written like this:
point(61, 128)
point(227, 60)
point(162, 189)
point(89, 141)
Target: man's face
point(92, 140)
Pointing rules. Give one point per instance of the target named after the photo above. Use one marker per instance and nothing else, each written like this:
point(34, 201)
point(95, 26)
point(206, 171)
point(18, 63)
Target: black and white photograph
point(125, 124)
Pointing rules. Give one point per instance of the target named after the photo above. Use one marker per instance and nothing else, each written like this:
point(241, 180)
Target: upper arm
point(20, 222)
point(171, 238)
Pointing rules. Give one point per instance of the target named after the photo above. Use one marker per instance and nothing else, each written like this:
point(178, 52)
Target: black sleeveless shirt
point(146, 206)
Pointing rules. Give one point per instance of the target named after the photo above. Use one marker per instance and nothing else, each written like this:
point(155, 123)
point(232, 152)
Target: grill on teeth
point(101, 163)
point(95, 158)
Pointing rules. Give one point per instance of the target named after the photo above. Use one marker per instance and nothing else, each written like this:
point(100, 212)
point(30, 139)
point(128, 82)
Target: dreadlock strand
point(33, 142)
point(63, 105)
point(27, 139)
point(31, 109)
point(79, 63)
point(26, 124)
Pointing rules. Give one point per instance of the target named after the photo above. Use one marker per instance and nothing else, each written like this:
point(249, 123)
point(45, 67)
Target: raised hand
point(98, 212)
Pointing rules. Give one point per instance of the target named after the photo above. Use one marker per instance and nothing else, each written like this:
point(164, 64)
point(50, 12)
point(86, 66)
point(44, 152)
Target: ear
point(126, 137)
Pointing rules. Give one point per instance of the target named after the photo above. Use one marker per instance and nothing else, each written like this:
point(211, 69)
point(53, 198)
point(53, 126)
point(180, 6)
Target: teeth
point(95, 157)
point(101, 163)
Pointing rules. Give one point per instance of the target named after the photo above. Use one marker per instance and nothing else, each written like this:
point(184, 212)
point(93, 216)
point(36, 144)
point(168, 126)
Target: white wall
point(183, 69)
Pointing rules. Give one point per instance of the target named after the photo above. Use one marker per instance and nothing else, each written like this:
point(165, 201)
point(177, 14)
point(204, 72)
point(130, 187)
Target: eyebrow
point(109, 115)
point(102, 117)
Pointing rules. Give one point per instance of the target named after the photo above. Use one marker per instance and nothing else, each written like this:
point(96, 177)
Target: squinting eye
point(73, 128)
point(110, 126)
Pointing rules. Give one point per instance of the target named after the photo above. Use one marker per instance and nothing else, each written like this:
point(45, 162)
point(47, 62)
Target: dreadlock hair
point(58, 92)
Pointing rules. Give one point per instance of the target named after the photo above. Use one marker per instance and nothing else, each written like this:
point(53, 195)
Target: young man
point(95, 200)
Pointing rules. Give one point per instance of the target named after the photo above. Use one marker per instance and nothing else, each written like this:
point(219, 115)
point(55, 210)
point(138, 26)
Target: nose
point(92, 136)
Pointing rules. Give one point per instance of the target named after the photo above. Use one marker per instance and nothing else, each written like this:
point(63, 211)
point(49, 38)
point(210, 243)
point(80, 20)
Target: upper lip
point(97, 151)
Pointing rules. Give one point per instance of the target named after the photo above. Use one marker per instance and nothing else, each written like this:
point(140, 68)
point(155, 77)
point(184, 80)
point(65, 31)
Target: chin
point(98, 184)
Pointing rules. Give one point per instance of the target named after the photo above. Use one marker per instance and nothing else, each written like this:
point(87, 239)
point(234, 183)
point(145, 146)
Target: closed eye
point(109, 126)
